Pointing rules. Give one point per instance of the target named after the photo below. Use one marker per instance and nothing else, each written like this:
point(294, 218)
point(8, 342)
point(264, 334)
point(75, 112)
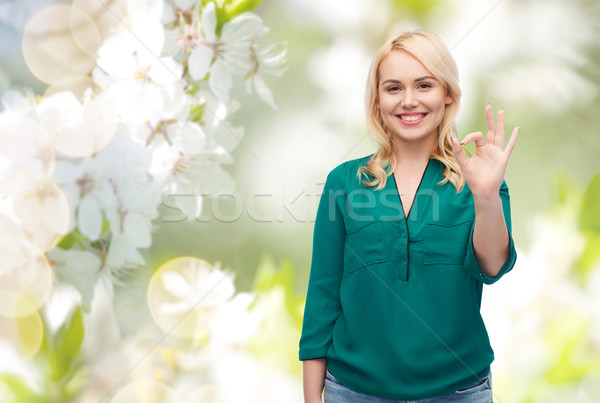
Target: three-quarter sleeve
point(322, 307)
point(471, 264)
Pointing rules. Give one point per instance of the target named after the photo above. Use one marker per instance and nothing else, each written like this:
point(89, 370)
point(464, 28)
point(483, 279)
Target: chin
point(423, 136)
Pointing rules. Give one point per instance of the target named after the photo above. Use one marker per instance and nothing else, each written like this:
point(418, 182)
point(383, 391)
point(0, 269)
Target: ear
point(449, 100)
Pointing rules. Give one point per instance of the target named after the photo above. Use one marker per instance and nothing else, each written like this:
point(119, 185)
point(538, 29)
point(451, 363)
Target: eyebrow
point(393, 81)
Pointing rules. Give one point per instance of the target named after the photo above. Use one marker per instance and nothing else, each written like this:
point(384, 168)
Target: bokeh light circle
point(27, 146)
point(146, 391)
point(24, 332)
point(77, 84)
point(25, 274)
point(60, 41)
point(107, 16)
point(204, 393)
point(184, 294)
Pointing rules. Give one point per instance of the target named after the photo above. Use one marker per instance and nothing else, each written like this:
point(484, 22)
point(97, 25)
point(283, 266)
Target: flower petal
point(174, 308)
point(220, 80)
point(122, 253)
point(263, 91)
point(199, 61)
point(241, 29)
point(138, 228)
point(149, 40)
point(209, 22)
point(89, 217)
point(176, 284)
point(165, 71)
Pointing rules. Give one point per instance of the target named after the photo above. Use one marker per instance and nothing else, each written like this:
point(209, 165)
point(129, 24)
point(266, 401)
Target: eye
point(393, 88)
point(424, 85)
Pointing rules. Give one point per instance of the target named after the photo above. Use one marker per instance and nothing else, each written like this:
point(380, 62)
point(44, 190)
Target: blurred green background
point(536, 59)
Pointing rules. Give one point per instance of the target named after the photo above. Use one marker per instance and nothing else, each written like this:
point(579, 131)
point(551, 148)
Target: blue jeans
point(479, 392)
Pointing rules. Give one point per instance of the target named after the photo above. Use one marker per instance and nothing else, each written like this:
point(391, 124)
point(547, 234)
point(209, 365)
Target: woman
point(404, 240)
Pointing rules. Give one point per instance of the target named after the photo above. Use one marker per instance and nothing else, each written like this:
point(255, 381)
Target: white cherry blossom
point(133, 72)
point(78, 129)
point(139, 32)
point(182, 33)
point(271, 60)
point(114, 185)
point(221, 132)
point(141, 91)
point(36, 208)
point(23, 141)
point(231, 50)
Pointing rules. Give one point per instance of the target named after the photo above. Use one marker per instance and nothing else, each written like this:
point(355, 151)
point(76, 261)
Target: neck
point(414, 153)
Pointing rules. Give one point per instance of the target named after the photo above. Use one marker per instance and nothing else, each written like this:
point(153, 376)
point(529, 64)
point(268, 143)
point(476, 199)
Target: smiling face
point(411, 101)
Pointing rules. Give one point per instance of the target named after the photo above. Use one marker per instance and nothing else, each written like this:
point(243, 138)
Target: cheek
point(385, 104)
point(433, 99)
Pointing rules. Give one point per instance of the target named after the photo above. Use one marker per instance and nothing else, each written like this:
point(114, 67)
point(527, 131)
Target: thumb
point(459, 153)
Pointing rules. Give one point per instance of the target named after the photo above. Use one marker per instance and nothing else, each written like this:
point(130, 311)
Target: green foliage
point(76, 237)
point(589, 223)
point(269, 277)
point(196, 113)
point(28, 331)
point(105, 227)
point(55, 360)
point(59, 352)
point(193, 88)
point(276, 339)
point(226, 10)
point(65, 345)
point(72, 238)
point(236, 7)
point(14, 390)
point(568, 193)
point(420, 8)
point(573, 353)
point(589, 217)
point(590, 255)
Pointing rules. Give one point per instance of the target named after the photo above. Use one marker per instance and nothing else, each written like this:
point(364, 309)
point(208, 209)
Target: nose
point(408, 100)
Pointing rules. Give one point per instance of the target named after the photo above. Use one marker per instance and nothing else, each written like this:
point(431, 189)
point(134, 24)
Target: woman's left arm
point(490, 235)
point(484, 173)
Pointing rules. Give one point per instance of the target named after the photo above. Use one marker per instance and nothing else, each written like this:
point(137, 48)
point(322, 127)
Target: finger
point(459, 153)
point(511, 141)
point(491, 125)
point(477, 137)
point(499, 139)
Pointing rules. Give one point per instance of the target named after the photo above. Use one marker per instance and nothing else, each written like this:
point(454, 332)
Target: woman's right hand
point(314, 379)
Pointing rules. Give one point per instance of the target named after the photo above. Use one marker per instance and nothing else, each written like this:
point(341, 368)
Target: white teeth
point(411, 118)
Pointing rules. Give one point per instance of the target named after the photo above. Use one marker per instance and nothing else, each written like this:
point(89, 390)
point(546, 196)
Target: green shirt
point(394, 303)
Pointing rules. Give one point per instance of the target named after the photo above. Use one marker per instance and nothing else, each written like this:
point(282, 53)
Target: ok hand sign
point(484, 171)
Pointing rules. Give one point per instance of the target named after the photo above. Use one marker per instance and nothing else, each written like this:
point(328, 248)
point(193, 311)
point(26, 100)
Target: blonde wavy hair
point(435, 56)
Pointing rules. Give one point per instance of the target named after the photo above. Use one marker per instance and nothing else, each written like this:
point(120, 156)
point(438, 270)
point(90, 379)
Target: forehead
point(400, 65)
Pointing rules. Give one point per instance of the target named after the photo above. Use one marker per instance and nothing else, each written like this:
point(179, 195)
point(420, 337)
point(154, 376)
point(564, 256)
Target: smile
point(412, 118)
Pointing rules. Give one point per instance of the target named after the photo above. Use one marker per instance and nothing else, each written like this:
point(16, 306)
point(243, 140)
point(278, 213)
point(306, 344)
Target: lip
point(412, 123)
